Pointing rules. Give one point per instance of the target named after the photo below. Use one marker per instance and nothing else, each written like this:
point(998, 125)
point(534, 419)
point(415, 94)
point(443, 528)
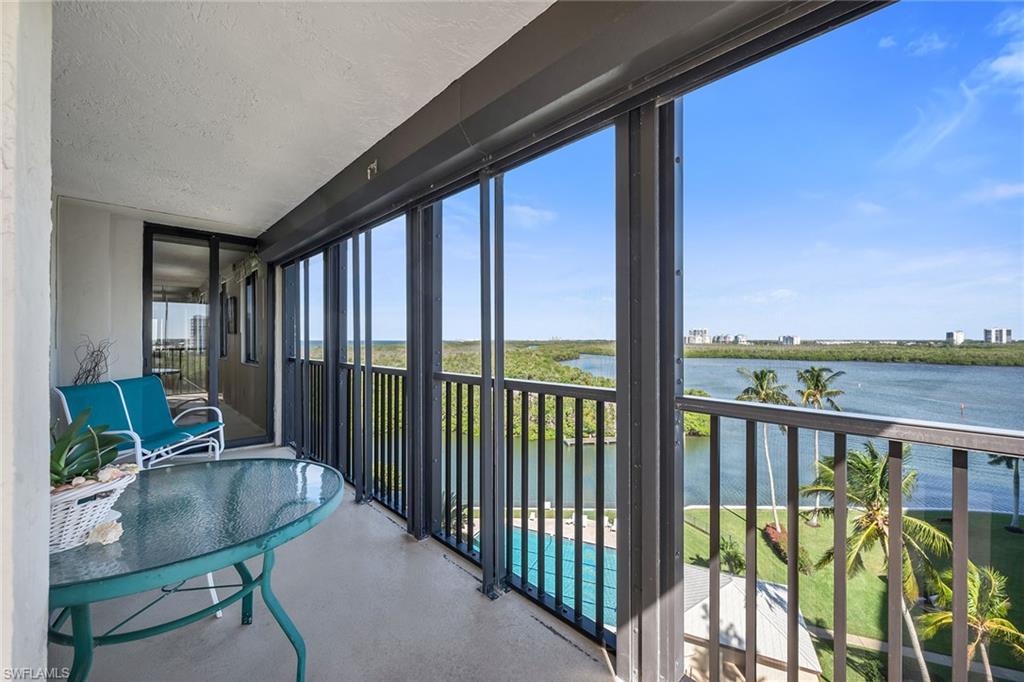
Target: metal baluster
point(599, 520)
point(458, 464)
point(895, 576)
point(750, 654)
point(524, 486)
point(559, 492)
point(447, 499)
point(509, 410)
point(714, 552)
point(578, 526)
point(793, 553)
point(541, 512)
point(839, 560)
point(470, 482)
point(960, 551)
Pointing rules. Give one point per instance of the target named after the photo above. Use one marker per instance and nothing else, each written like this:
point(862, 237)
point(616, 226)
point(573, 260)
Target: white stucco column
point(24, 333)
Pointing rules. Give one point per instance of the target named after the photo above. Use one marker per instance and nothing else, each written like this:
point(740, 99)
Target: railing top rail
point(599, 393)
point(957, 436)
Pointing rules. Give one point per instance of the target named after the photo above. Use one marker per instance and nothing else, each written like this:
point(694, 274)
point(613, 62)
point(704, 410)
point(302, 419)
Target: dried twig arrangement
point(92, 360)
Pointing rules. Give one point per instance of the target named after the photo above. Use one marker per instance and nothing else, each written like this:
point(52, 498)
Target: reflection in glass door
point(180, 319)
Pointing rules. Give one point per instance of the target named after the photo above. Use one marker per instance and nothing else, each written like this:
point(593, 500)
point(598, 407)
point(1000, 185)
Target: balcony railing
point(560, 516)
point(959, 440)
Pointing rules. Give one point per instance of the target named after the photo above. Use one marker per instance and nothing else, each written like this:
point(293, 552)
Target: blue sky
point(867, 184)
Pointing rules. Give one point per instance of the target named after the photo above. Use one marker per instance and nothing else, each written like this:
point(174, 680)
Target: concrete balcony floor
point(371, 603)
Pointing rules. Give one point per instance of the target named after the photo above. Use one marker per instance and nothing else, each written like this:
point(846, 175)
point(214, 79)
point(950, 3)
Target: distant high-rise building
point(722, 338)
point(789, 340)
point(741, 340)
point(956, 338)
point(998, 335)
point(197, 332)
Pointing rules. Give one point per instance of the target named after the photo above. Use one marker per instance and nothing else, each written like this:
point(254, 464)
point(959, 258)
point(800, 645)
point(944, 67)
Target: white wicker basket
point(75, 512)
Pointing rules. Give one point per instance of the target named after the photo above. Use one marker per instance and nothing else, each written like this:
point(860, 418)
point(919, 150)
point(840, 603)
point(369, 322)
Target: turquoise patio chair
point(137, 408)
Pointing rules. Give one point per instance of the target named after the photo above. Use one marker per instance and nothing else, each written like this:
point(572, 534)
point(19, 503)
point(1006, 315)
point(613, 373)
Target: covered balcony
point(329, 239)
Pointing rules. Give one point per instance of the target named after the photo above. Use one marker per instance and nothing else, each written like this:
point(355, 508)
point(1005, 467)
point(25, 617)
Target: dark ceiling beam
point(576, 62)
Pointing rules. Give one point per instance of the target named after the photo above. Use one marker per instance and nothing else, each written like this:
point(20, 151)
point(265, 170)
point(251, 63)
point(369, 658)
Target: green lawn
point(866, 592)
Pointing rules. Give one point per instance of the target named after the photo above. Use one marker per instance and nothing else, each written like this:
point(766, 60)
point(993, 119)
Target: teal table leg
point(81, 630)
point(282, 618)
point(246, 577)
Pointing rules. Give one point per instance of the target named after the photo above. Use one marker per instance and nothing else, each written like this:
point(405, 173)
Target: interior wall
point(99, 286)
point(25, 227)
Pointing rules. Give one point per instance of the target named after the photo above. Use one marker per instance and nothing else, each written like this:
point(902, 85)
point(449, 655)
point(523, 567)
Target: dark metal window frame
point(150, 232)
point(250, 345)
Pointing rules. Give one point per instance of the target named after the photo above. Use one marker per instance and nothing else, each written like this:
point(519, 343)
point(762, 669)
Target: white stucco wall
point(99, 285)
point(25, 226)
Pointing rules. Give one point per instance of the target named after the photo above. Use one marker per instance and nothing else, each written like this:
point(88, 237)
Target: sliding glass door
point(205, 328)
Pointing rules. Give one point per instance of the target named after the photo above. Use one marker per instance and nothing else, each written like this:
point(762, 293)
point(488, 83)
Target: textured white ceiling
point(237, 112)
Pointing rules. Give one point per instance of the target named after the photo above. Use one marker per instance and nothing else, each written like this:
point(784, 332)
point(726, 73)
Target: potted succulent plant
point(84, 484)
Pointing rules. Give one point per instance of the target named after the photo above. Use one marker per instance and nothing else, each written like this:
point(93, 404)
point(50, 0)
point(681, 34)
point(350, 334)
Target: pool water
point(568, 572)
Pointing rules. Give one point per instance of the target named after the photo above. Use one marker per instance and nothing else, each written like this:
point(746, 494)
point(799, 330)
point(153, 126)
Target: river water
point(982, 396)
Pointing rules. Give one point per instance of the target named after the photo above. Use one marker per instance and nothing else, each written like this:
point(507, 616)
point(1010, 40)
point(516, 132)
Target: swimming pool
point(569, 571)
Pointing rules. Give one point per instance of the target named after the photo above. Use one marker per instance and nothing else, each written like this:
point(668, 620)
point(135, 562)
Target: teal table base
point(84, 641)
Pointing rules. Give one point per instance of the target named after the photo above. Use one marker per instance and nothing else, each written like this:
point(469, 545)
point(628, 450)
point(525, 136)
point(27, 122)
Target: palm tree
point(1014, 464)
point(868, 495)
point(987, 607)
point(765, 388)
point(817, 393)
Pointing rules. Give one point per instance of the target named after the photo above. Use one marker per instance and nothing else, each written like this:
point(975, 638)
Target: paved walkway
point(908, 652)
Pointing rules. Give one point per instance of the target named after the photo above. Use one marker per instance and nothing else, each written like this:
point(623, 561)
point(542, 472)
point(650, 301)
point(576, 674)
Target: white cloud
point(999, 191)
point(1009, 21)
point(928, 43)
point(869, 207)
point(886, 42)
point(528, 217)
point(770, 296)
point(933, 126)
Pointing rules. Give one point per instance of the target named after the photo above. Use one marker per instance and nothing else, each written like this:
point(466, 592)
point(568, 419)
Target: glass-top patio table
point(184, 521)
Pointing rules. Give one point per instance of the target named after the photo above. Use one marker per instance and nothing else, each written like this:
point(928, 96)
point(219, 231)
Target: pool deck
point(569, 530)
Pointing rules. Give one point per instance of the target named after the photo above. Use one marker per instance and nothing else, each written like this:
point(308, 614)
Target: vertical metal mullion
point(750, 589)
point(599, 519)
point(839, 560)
point(393, 440)
point(331, 374)
point(307, 387)
point(792, 553)
point(559, 500)
point(368, 408)
point(501, 472)
point(213, 325)
point(960, 565)
point(341, 356)
point(524, 487)
point(895, 548)
point(541, 493)
point(358, 406)
point(491, 519)
point(578, 513)
point(714, 551)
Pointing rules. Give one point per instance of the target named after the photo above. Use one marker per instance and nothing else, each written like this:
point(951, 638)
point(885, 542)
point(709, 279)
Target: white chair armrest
point(206, 408)
point(132, 436)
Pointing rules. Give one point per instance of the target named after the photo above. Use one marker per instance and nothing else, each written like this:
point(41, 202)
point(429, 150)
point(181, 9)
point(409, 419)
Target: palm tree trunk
point(1015, 522)
point(771, 478)
point(984, 661)
point(813, 521)
point(915, 642)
